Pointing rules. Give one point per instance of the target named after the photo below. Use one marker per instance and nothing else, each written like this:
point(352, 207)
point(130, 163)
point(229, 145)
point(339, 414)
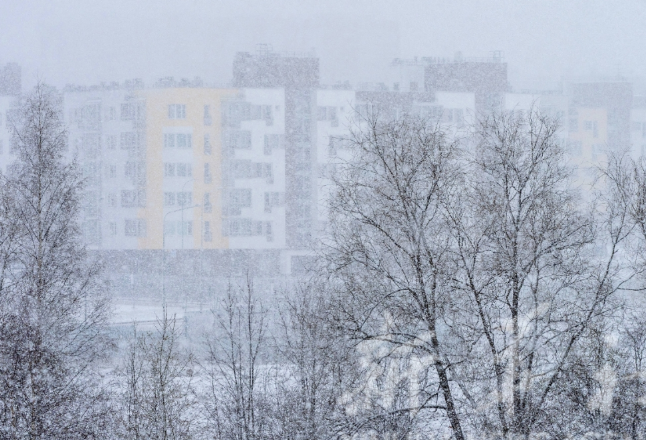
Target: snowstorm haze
point(330, 220)
point(89, 42)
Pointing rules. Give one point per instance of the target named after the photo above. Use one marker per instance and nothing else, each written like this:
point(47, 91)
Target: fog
point(90, 42)
point(332, 220)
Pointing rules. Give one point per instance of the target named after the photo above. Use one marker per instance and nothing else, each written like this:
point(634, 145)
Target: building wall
point(173, 220)
point(638, 132)
point(255, 174)
point(6, 103)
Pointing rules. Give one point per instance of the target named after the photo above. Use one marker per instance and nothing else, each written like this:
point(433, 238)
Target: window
point(237, 227)
point(112, 226)
point(321, 113)
point(112, 172)
point(1, 147)
point(169, 199)
point(207, 144)
point(184, 198)
point(179, 140)
point(332, 116)
point(185, 228)
point(133, 198)
point(178, 170)
point(127, 112)
point(208, 236)
point(111, 142)
point(272, 142)
point(0, 119)
point(177, 111)
point(207, 115)
point(268, 231)
point(128, 140)
point(267, 172)
point(328, 114)
point(112, 200)
point(184, 170)
point(136, 171)
point(267, 115)
point(183, 141)
point(207, 203)
point(238, 139)
point(242, 227)
point(169, 141)
point(272, 200)
point(135, 227)
point(110, 114)
point(207, 173)
point(240, 197)
point(178, 227)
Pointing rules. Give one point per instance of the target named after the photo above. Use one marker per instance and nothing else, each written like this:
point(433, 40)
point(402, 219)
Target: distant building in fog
point(225, 180)
point(10, 80)
point(298, 76)
point(10, 88)
point(486, 78)
point(638, 127)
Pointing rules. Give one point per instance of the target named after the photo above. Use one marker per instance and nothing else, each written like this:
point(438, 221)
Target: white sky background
point(89, 41)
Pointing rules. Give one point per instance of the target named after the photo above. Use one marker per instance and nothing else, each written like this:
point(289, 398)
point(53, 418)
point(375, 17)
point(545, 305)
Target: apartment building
point(180, 168)
point(638, 127)
point(10, 87)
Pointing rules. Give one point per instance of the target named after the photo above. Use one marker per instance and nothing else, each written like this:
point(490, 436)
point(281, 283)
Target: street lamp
point(164, 245)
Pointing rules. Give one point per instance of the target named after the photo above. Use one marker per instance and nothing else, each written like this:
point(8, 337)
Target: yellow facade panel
point(194, 101)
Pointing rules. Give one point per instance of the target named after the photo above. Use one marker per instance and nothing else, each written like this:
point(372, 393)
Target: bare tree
point(158, 398)
point(388, 251)
point(53, 304)
point(236, 404)
point(316, 366)
point(538, 268)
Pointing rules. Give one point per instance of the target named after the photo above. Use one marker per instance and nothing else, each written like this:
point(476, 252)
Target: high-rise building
point(181, 168)
point(298, 75)
point(485, 77)
point(10, 80)
point(608, 103)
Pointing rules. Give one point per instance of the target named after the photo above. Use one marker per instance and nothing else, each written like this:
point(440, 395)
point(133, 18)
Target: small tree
point(52, 308)
point(236, 404)
point(158, 398)
point(315, 367)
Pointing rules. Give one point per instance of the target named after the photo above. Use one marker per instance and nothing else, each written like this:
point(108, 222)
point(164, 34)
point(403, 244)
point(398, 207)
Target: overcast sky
point(89, 41)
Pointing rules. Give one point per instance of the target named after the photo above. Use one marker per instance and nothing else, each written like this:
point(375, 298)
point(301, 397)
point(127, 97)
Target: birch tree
point(159, 402)
point(539, 268)
point(53, 306)
point(237, 407)
point(388, 253)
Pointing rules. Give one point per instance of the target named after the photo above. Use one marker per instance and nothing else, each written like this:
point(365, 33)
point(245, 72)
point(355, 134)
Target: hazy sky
point(89, 41)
